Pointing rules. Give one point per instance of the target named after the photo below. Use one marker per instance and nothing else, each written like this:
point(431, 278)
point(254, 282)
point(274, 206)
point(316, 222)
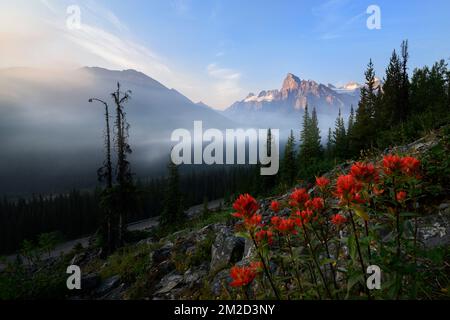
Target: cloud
point(222, 73)
point(35, 35)
point(225, 81)
point(337, 18)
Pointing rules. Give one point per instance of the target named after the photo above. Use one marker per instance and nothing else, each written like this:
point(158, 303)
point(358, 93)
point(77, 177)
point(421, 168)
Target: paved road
point(66, 247)
point(145, 224)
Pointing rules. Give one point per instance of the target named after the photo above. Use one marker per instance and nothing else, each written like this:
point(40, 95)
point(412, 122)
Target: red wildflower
point(338, 219)
point(299, 197)
point(253, 221)
point(243, 276)
point(322, 182)
point(305, 215)
point(284, 225)
point(266, 235)
point(410, 166)
point(316, 203)
point(400, 196)
point(275, 205)
point(347, 189)
point(364, 172)
point(245, 206)
point(392, 164)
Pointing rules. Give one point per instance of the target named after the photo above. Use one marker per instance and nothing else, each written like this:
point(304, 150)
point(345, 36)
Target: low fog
point(52, 137)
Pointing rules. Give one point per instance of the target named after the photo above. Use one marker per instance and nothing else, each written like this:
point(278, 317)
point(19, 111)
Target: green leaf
point(244, 235)
point(352, 281)
point(408, 214)
point(361, 212)
point(352, 246)
point(327, 261)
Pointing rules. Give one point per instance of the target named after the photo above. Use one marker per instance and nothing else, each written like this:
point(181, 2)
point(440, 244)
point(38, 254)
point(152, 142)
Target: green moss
point(128, 262)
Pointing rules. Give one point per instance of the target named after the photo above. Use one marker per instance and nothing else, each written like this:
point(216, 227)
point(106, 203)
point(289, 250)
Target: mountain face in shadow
point(51, 136)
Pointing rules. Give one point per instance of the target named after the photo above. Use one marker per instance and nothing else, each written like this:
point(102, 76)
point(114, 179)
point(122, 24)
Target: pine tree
point(340, 138)
point(390, 113)
point(316, 145)
point(125, 193)
point(403, 110)
point(289, 170)
point(310, 148)
point(172, 213)
point(268, 182)
point(329, 151)
point(363, 134)
point(351, 120)
point(350, 125)
point(116, 201)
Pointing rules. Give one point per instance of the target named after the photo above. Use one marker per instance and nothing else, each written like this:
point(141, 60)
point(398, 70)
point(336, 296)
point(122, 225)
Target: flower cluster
point(368, 191)
point(365, 173)
point(285, 225)
point(264, 235)
point(298, 198)
point(348, 189)
point(338, 219)
point(243, 276)
point(322, 182)
point(246, 206)
point(394, 164)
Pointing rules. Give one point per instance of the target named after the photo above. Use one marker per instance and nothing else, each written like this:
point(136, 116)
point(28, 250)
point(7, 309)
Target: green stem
point(316, 263)
point(293, 263)
point(363, 269)
point(266, 270)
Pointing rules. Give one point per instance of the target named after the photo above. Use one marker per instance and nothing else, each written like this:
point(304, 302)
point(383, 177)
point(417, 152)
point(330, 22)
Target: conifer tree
point(329, 151)
point(316, 144)
point(268, 182)
point(339, 138)
point(310, 148)
point(350, 125)
point(289, 170)
point(124, 197)
point(172, 212)
point(390, 114)
point(403, 107)
point(363, 134)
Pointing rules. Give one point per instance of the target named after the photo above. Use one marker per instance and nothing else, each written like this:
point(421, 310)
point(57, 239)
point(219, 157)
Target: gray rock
point(444, 206)
point(163, 253)
point(227, 248)
point(78, 258)
point(168, 283)
point(89, 281)
point(115, 294)
point(434, 230)
point(220, 283)
point(108, 284)
point(194, 277)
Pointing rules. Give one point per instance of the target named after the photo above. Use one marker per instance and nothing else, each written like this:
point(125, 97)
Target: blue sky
point(218, 51)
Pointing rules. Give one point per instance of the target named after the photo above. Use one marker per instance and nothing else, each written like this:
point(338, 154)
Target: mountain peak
point(291, 82)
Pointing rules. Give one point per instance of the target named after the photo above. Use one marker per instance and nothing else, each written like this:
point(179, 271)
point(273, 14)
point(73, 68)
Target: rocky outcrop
point(434, 230)
point(226, 249)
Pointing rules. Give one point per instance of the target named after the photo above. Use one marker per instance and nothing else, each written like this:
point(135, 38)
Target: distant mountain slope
point(293, 96)
point(51, 136)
